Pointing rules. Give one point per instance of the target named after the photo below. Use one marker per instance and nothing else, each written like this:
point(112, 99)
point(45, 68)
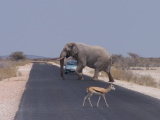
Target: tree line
point(118, 60)
point(134, 60)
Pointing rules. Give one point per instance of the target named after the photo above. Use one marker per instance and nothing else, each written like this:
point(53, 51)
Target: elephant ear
point(74, 50)
point(67, 47)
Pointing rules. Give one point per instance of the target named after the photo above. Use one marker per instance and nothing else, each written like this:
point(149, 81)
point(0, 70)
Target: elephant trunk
point(62, 56)
point(62, 70)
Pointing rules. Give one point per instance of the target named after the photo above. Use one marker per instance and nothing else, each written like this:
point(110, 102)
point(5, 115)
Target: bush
point(16, 56)
point(147, 81)
point(117, 73)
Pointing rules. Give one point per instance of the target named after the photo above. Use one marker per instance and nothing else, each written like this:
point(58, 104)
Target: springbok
point(97, 91)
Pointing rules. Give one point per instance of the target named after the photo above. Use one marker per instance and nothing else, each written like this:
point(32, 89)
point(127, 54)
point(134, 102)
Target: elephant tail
point(108, 70)
point(110, 61)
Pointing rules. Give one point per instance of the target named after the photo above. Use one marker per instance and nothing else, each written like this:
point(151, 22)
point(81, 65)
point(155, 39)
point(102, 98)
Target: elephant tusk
point(60, 58)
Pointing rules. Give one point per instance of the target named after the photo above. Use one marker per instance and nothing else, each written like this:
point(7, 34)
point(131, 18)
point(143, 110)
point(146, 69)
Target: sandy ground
point(11, 91)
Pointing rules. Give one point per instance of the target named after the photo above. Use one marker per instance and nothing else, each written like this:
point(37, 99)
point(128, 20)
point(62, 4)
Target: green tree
point(16, 56)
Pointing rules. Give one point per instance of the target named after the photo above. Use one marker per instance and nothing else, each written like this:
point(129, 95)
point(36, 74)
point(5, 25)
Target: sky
point(43, 27)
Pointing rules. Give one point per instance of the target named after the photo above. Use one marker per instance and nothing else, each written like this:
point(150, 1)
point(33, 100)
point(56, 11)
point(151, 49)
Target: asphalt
point(48, 97)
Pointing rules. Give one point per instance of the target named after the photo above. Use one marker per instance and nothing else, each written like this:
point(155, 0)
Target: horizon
point(7, 56)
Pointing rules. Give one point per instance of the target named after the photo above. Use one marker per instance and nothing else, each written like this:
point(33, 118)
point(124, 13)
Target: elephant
point(86, 55)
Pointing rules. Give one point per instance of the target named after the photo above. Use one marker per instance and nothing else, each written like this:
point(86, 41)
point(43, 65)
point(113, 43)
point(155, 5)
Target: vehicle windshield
point(71, 63)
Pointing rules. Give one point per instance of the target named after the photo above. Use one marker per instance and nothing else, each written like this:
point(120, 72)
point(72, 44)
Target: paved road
point(47, 97)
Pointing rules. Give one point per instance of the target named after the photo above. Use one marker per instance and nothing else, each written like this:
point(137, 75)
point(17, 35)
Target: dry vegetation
point(128, 69)
point(8, 68)
point(129, 76)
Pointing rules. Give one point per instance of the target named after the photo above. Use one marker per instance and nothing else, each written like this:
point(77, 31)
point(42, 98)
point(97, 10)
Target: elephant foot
point(80, 78)
point(94, 78)
point(110, 77)
point(111, 80)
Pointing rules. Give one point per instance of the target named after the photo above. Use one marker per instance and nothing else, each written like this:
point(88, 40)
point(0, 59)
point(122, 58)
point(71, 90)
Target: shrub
point(9, 68)
point(117, 73)
point(147, 81)
point(8, 72)
point(16, 56)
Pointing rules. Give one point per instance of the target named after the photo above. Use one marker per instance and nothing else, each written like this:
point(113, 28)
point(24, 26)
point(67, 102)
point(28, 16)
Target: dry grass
point(7, 72)
point(9, 68)
point(129, 76)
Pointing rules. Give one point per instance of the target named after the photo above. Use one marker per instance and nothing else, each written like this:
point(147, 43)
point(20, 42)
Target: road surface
point(48, 97)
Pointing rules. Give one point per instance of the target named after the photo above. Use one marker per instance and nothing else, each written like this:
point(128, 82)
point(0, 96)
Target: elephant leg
point(79, 72)
point(107, 70)
point(98, 67)
point(95, 77)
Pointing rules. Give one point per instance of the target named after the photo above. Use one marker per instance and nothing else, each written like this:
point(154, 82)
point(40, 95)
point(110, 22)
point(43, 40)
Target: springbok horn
point(60, 58)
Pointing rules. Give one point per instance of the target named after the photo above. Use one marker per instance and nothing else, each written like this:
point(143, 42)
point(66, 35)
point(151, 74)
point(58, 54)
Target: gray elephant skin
point(86, 55)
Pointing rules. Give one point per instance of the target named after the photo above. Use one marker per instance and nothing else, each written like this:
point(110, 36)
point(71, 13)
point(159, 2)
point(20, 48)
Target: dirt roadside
point(11, 90)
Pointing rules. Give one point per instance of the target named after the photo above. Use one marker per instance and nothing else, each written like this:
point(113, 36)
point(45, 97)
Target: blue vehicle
point(70, 66)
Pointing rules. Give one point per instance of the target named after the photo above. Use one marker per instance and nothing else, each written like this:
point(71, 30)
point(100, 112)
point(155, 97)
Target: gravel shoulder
point(11, 90)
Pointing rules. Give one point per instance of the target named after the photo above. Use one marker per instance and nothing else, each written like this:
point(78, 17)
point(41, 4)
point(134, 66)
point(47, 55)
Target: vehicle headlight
point(74, 68)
